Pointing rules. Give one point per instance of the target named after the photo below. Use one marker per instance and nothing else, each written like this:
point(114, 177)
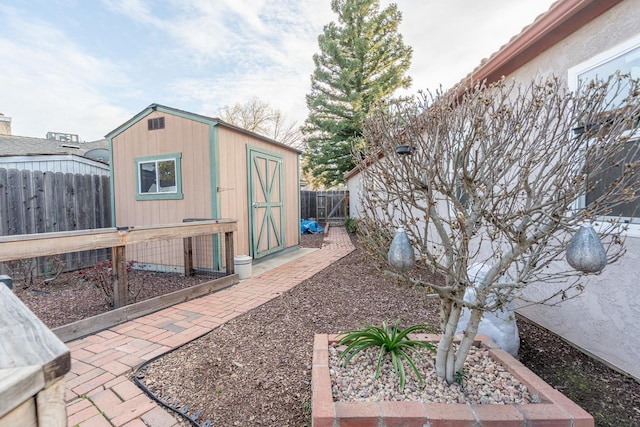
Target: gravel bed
point(485, 381)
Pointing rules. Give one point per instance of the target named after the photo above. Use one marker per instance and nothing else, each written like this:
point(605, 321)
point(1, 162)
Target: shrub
point(394, 341)
point(351, 224)
point(100, 276)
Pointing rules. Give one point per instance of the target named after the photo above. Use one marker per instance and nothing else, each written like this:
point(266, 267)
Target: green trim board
point(160, 108)
point(112, 184)
point(191, 116)
point(214, 177)
point(214, 169)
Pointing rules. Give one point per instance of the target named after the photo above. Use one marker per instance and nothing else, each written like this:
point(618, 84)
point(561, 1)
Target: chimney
point(5, 125)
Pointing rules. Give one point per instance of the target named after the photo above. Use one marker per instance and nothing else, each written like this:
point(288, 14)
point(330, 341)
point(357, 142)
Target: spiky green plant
point(392, 340)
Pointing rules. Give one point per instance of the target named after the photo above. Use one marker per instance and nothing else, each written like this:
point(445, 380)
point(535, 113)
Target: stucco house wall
point(354, 186)
point(603, 320)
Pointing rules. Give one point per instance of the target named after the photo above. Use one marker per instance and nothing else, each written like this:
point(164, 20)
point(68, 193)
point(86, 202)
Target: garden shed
point(170, 165)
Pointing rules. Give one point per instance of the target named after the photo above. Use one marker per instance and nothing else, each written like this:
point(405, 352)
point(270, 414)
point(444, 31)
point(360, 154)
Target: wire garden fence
point(125, 263)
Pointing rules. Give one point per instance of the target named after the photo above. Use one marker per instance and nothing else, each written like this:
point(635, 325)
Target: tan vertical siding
point(234, 197)
point(180, 135)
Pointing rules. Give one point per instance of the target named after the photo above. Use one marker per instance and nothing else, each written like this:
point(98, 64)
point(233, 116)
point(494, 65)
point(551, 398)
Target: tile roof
point(561, 19)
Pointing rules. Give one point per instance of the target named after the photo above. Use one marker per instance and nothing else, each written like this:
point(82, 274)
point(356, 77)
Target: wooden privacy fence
point(325, 206)
point(41, 202)
point(119, 240)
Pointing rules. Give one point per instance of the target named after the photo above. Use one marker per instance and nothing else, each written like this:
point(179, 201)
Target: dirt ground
point(255, 370)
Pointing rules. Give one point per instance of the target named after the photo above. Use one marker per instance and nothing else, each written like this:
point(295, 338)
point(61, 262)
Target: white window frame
point(633, 229)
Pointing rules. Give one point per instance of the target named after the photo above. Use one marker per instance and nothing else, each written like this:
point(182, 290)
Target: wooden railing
point(33, 359)
point(44, 244)
point(118, 239)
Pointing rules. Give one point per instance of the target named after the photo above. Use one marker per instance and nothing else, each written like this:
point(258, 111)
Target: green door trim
point(214, 177)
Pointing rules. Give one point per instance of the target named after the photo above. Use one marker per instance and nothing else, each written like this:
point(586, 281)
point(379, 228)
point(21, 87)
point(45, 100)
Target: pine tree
point(362, 60)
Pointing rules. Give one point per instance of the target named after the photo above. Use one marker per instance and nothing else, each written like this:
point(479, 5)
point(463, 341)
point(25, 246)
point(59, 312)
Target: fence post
point(228, 250)
point(119, 276)
point(188, 256)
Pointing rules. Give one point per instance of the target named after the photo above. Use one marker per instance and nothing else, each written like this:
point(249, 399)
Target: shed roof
point(193, 116)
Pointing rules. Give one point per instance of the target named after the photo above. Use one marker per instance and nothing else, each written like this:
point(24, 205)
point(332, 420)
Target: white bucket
point(242, 266)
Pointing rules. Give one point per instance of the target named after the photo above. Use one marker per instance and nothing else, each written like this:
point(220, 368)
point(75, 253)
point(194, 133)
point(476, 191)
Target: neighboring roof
point(13, 145)
point(193, 116)
point(562, 19)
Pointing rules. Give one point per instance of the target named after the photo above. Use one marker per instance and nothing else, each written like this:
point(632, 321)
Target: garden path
point(98, 390)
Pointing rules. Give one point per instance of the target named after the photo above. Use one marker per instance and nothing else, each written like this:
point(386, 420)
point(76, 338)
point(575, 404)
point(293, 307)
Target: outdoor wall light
point(404, 150)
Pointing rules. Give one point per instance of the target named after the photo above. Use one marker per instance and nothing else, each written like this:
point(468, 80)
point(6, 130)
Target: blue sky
point(87, 66)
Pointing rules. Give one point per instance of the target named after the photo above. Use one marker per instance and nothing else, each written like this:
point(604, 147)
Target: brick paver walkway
point(98, 391)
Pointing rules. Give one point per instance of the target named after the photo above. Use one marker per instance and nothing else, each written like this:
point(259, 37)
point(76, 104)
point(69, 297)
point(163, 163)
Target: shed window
point(156, 123)
point(159, 177)
point(624, 58)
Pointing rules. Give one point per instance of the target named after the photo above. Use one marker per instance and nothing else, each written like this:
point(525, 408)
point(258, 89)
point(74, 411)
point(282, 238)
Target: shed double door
point(266, 202)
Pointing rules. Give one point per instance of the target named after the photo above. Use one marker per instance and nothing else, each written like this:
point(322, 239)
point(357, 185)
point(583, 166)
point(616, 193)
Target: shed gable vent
point(156, 123)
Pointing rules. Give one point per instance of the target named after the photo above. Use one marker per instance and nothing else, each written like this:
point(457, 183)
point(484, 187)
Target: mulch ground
point(256, 369)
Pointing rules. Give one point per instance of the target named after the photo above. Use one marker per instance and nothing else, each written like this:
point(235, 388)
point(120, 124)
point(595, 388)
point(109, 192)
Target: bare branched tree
point(258, 116)
point(497, 177)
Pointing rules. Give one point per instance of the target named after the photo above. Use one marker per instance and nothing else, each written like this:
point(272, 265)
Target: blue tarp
point(310, 226)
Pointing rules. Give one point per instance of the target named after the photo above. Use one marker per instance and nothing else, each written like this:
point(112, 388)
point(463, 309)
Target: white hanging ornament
point(401, 254)
point(585, 251)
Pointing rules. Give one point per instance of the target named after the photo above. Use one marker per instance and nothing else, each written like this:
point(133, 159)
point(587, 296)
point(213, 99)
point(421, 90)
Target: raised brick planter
point(554, 410)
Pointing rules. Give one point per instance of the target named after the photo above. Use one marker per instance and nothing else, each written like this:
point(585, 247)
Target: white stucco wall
point(604, 319)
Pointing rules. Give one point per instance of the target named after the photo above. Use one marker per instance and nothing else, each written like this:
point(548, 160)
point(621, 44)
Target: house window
point(159, 177)
point(155, 123)
point(624, 58)
point(602, 179)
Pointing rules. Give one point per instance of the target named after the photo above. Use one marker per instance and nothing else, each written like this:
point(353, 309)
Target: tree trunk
point(468, 337)
point(445, 356)
point(448, 361)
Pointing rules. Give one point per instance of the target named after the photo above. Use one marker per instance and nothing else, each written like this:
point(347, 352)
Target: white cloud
point(51, 84)
point(266, 47)
point(450, 38)
point(200, 55)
